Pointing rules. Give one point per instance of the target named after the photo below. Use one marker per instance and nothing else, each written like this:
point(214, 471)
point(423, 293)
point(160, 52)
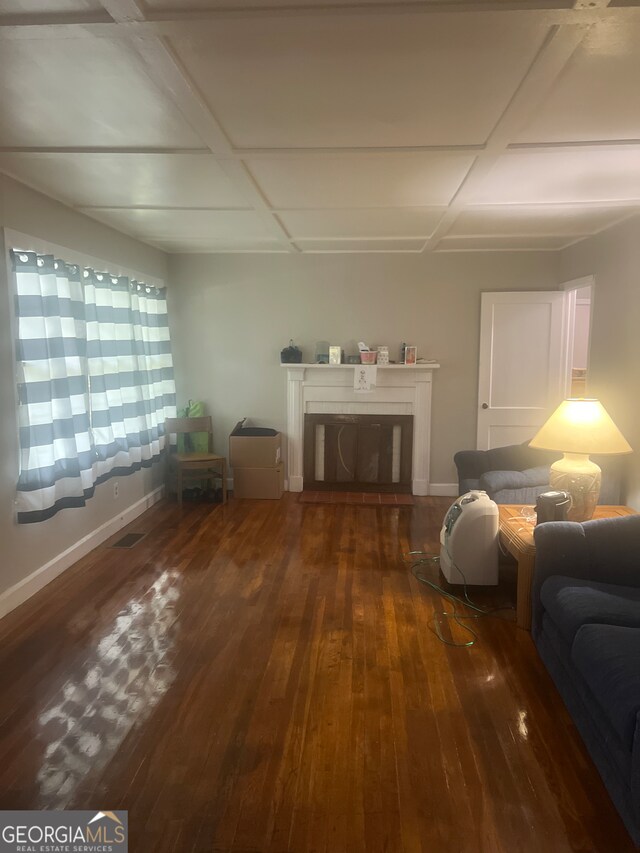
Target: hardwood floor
point(261, 676)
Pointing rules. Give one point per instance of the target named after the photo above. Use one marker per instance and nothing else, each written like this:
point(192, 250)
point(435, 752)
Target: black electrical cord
point(434, 623)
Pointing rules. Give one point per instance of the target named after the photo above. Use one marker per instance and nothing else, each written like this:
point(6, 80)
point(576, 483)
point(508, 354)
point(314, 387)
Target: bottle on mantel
point(403, 348)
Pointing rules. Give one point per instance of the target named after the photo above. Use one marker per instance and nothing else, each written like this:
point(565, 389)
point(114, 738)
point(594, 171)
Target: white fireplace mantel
point(324, 388)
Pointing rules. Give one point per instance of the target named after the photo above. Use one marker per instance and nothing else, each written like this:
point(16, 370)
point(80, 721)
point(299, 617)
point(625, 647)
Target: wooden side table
point(516, 537)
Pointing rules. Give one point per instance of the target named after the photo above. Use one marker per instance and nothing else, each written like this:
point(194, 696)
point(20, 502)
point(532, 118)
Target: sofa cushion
point(573, 602)
point(608, 658)
point(524, 497)
point(496, 481)
point(593, 723)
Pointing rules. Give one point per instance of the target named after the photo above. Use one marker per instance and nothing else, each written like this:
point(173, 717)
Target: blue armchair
point(586, 626)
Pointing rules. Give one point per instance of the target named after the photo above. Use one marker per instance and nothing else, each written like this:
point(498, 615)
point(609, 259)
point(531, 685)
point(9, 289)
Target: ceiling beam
point(596, 144)
point(191, 208)
point(99, 149)
point(355, 151)
point(600, 204)
point(408, 151)
point(123, 11)
point(224, 149)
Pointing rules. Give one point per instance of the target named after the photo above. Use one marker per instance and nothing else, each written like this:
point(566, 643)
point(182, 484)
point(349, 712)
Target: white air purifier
point(469, 541)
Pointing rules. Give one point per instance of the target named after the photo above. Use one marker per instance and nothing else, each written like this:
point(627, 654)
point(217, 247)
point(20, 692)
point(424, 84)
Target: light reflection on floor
point(522, 725)
point(124, 679)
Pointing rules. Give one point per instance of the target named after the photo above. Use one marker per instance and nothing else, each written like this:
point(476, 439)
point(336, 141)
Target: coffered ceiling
point(307, 126)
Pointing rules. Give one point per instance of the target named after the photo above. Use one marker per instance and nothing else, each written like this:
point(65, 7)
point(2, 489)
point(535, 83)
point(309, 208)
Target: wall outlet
point(116, 490)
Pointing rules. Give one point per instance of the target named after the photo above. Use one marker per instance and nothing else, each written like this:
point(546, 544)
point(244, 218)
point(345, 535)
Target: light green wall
point(231, 315)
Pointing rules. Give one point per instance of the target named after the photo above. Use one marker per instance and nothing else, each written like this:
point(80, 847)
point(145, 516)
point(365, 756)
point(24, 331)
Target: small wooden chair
point(191, 466)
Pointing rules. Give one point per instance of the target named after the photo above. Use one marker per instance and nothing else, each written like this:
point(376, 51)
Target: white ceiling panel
point(563, 175)
point(229, 226)
point(598, 95)
point(541, 221)
point(372, 80)
point(360, 245)
point(377, 222)
point(393, 181)
point(503, 244)
point(83, 92)
point(127, 180)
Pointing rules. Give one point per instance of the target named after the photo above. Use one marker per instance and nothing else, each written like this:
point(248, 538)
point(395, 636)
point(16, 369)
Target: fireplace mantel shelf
point(401, 389)
point(430, 365)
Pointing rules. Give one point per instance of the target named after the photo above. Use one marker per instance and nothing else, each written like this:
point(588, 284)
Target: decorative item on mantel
point(335, 355)
point(383, 356)
point(291, 354)
point(322, 352)
point(364, 378)
point(410, 355)
point(367, 356)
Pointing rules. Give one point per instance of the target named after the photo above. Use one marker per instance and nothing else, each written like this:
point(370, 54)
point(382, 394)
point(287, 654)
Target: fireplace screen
point(365, 452)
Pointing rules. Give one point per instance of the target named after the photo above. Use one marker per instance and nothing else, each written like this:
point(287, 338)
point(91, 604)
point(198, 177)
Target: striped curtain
point(131, 383)
point(95, 380)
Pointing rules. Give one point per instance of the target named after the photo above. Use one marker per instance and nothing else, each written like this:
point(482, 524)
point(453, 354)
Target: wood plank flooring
point(260, 677)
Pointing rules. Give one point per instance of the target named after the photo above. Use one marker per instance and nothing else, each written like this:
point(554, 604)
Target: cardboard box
point(255, 451)
point(265, 483)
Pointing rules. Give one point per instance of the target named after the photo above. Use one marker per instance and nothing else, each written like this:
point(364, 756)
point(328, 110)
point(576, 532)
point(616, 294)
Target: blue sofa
point(586, 626)
point(518, 473)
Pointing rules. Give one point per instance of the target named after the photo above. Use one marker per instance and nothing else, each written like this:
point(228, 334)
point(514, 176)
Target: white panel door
point(522, 364)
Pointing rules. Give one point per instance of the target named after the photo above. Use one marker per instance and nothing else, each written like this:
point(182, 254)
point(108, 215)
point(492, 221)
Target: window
point(95, 380)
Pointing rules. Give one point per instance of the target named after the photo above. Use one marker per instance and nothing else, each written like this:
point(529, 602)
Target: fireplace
point(319, 389)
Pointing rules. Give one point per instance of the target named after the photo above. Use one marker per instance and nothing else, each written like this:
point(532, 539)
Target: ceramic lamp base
point(577, 474)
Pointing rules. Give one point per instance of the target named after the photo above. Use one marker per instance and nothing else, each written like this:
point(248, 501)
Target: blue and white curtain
point(95, 380)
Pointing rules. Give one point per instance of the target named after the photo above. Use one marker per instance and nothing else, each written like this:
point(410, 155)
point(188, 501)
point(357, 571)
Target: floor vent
point(128, 540)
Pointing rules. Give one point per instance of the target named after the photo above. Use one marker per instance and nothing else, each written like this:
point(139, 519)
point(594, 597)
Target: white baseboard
point(445, 490)
point(24, 589)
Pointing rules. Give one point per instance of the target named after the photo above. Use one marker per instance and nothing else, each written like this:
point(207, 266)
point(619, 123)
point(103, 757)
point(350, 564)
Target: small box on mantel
point(259, 483)
point(254, 447)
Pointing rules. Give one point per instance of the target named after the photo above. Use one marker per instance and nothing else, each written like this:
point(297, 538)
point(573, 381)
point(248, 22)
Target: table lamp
point(579, 427)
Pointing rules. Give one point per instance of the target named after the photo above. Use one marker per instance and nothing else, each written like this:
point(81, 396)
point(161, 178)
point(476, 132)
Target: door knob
point(485, 405)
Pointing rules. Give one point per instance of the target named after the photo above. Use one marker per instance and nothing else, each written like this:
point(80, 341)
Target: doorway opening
point(579, 313)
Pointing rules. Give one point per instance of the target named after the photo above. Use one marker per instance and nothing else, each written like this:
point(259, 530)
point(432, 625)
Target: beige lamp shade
point(581, 426)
